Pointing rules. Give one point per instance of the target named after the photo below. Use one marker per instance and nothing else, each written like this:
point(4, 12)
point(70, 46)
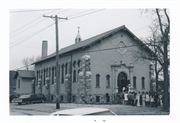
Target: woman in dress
point(138, 98)
point(147, 99)
point(143, 99)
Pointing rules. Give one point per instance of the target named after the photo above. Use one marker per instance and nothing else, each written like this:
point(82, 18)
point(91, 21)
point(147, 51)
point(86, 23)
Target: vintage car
point(28, 99)
point(83, 112)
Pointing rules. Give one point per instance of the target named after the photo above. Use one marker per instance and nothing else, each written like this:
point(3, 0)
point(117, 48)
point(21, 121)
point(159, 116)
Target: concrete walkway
point(118, 109)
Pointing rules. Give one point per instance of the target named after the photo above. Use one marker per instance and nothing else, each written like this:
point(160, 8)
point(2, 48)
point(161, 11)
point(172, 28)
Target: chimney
point(44, 49)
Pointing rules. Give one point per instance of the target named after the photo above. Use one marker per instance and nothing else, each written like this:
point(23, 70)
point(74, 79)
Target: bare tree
point(28, 61)
point(159, 44)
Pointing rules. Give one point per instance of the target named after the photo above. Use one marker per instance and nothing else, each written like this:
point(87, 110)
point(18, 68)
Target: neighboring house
point(12, 82)
point(112, 65)
point(23, 81)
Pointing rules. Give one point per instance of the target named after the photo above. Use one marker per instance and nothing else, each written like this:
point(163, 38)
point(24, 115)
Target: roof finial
point(78, 29)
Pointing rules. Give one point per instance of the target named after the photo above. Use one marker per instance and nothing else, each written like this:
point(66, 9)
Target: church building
point(108, 62)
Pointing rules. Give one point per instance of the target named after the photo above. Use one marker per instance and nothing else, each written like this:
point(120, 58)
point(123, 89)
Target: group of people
point(144, 99)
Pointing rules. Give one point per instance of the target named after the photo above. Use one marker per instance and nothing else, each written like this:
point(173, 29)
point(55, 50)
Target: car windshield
point(24, 96)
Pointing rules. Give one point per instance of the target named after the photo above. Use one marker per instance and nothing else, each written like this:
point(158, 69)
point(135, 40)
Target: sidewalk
point(118, 109)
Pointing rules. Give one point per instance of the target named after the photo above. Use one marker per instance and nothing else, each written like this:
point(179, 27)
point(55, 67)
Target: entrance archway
point(122, 81)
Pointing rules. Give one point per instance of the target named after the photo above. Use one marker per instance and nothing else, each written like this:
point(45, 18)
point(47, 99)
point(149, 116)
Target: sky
point(26, 22)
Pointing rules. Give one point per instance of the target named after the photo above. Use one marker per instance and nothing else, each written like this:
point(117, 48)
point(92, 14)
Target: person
point(143, 99)
point(156, 100)
point(125, 98)
point(135, 102)
point(147, 99)
point(152, 100)
point(160, 98)
point(138, 98)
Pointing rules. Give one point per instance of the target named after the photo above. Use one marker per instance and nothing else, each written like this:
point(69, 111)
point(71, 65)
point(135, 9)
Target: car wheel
point(19, 103)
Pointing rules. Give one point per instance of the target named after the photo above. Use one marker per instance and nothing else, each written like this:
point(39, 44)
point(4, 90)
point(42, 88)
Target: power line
point(33, 35)
point(80, 13)
point(61, 21)
point(32, 21)
point(34, 48)
point(29, 27)
point(84, 15)
point(33, 10)
point(35, 24)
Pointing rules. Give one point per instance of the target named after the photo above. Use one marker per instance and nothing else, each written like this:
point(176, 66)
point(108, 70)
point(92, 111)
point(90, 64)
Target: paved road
point(47, 108)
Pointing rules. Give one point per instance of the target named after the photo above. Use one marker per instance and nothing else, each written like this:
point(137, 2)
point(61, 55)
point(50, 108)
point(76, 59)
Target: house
point(12, 82)
point(23, 81)
point(110, 64)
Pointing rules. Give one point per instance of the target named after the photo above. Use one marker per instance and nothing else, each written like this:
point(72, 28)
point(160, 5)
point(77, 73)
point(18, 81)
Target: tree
point(28, 61)
point(159, 44)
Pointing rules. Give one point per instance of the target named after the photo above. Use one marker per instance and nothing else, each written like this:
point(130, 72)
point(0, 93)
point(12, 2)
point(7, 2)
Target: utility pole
point(57, 60)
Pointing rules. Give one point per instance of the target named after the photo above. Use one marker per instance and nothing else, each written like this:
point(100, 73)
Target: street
point(48, 108)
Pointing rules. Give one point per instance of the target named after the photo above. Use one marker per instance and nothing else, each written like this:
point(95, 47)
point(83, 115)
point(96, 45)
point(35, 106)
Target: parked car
point(83, 111)
point(11, 97)
point(28, 99)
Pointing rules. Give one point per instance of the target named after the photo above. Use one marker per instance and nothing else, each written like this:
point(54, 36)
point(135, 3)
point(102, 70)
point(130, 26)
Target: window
point(66, 69)
point(98, 80)
point(79, 63)
point(54, 71)
point(37, 78)
point(49, 72)
point(52, 75)
point(62, 73)
point(44, 76)
point(74, 98)
point(134, 82)
point(61, 98)
point(74, 64)
point(74, 76)
point(19, 83)
point(46, 72)
point(107, 81)
point(108, 98)
point(97, 98)
point(143, 84)
point(52, 97)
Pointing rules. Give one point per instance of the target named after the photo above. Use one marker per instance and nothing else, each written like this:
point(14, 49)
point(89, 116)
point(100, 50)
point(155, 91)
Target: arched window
point(97, 80)
point(19, 83)
point(134, 82)
point(143, 84)
point(62, 74)
point(44, 76)
point(79, 63)
point(53, 75)
point(66, 69)
point(46, 72)
point(74, 76)
point(37, 77)
point(49, 72)
point(107, 81)
point(74, 64)
point(54, 71)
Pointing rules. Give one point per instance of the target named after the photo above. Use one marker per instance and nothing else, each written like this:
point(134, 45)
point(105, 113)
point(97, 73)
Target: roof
point(90, 41)
point(25, 74)
point(12, 81)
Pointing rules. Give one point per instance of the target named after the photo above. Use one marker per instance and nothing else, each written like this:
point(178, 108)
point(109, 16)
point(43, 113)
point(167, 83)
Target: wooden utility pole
point(57, 61)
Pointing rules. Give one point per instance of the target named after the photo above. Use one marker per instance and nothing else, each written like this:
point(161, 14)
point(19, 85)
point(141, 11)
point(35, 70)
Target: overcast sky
point(27, 23)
